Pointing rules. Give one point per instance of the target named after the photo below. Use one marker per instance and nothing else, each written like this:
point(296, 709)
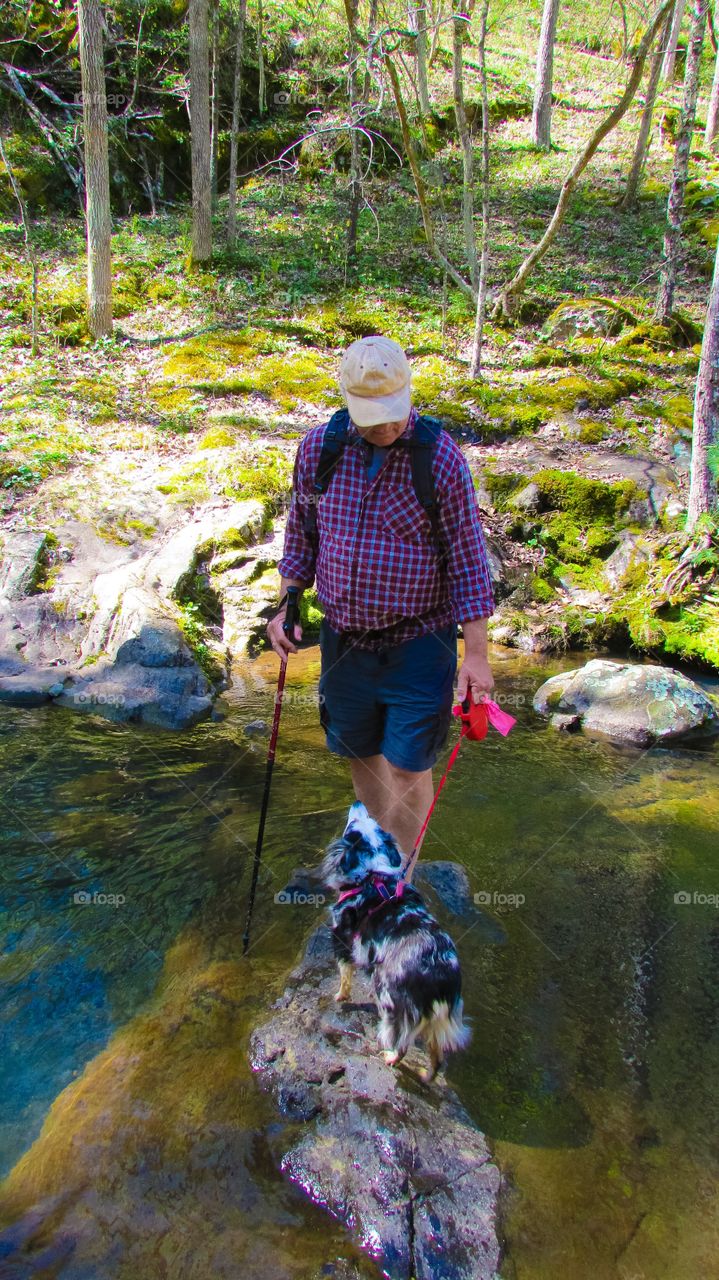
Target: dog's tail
point(446, 1026)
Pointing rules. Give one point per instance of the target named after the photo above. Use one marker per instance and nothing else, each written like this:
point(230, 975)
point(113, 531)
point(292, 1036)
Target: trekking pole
point(288, 626)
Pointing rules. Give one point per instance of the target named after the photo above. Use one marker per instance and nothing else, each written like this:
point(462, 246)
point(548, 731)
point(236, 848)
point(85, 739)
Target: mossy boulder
point(631, 704)
point(587, 316)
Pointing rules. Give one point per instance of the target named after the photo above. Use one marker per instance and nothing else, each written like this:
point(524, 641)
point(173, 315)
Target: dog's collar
point(378, 883)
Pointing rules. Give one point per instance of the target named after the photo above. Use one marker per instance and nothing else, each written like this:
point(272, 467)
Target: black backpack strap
point(333, 443)
point(421, 453)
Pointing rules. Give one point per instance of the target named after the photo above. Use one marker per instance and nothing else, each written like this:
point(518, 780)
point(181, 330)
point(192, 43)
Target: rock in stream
point(399, 1162)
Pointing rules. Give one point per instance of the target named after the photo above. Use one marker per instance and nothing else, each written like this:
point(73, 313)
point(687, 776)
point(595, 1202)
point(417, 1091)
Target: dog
point(382, 924)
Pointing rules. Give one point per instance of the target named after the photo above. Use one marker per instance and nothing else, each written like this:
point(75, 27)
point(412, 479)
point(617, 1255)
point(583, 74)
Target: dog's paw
point(392, 1058)
point(341, 996)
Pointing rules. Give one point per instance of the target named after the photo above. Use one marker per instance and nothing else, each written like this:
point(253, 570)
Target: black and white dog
point(382, 925)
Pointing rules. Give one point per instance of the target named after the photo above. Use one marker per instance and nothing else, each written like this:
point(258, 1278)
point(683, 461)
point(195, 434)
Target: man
point(392, 596)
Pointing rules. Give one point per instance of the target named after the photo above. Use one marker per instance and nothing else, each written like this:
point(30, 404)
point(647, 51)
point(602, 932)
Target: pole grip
point(292, 613)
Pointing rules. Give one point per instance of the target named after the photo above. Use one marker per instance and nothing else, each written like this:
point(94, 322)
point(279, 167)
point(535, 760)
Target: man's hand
point(475, 679)
point(281, 643)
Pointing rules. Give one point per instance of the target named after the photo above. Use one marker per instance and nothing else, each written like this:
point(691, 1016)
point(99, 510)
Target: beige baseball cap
point(375, 379)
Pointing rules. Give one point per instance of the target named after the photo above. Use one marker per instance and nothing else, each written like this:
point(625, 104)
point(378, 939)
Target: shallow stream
point(591, 981)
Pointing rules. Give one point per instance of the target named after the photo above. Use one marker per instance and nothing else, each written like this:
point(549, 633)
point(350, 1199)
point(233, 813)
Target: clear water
point(132, 1134)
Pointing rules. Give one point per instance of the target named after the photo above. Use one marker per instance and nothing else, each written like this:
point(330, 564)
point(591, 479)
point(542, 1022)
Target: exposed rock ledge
point(399, 1162)
point(97, 626)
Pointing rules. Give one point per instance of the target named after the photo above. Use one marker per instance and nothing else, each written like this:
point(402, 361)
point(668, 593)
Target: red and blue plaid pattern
point(378, 573)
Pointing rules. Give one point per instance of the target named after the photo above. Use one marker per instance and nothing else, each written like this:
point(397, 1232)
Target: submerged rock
point(628, 703)
point(399, 1162)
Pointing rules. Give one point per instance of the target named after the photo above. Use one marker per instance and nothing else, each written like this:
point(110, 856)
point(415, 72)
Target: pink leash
point(474, 726)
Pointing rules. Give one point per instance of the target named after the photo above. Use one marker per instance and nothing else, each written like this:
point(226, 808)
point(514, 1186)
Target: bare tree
point(507, 300)
point(542, 113)
point(459, 31)
point(671, 54)
point(261, 87)
point(673, 233)
point(214, 99)
point(30, 249)
point(645, 125)
point(236, 97)
point(97, 169)
point(705, 439)
point(200, 133)
point(417, 15)
point(352, 12)
point(712, 127)
point(419, 184)
point(475, 363)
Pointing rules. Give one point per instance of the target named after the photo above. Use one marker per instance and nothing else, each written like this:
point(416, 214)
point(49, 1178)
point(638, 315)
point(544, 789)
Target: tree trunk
point(29, 248)
point(371, 33)
point(671, 53)
point(459, 29)
point(236, 97)
point(705, 439)
point(419, 184)
point(645, 126)
point(261, 90)
point(712, 129)
point(351, 12)
point(214, 99)
point(418, 24)
point(97, 169)
point(200, 133)
point(436, 29)
point(542, 113)
point(506, 302)
point(475, 363)
point(673, 233)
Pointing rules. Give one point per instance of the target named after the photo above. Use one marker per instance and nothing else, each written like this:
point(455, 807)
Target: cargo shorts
point(395, 702)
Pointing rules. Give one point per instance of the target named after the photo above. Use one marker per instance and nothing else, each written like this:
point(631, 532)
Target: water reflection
point(594, 1063)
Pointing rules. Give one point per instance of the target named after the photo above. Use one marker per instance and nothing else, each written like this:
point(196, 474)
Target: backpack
point(421, 447)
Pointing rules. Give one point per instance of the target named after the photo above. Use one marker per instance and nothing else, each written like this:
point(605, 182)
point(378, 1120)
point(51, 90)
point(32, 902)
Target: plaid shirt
point(379, 576)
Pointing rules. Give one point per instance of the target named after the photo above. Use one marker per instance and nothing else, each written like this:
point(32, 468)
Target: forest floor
point(212, 376)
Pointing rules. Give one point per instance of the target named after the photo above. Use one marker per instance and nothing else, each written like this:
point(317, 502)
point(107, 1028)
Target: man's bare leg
point(396, 798)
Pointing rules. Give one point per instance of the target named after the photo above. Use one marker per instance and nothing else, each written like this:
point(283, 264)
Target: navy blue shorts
point(396, 702)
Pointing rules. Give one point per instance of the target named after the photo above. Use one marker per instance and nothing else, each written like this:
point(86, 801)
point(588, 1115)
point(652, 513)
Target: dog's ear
point(357, 814)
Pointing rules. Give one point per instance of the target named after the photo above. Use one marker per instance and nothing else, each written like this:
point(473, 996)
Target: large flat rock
point(400, 1163)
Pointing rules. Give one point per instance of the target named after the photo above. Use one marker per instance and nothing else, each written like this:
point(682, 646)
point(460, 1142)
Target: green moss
point(592, 431)
point(216, 438)
point(501, 486)
point(268, 478)
point(188, 486)
point(586, 500)
point(311, 614)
